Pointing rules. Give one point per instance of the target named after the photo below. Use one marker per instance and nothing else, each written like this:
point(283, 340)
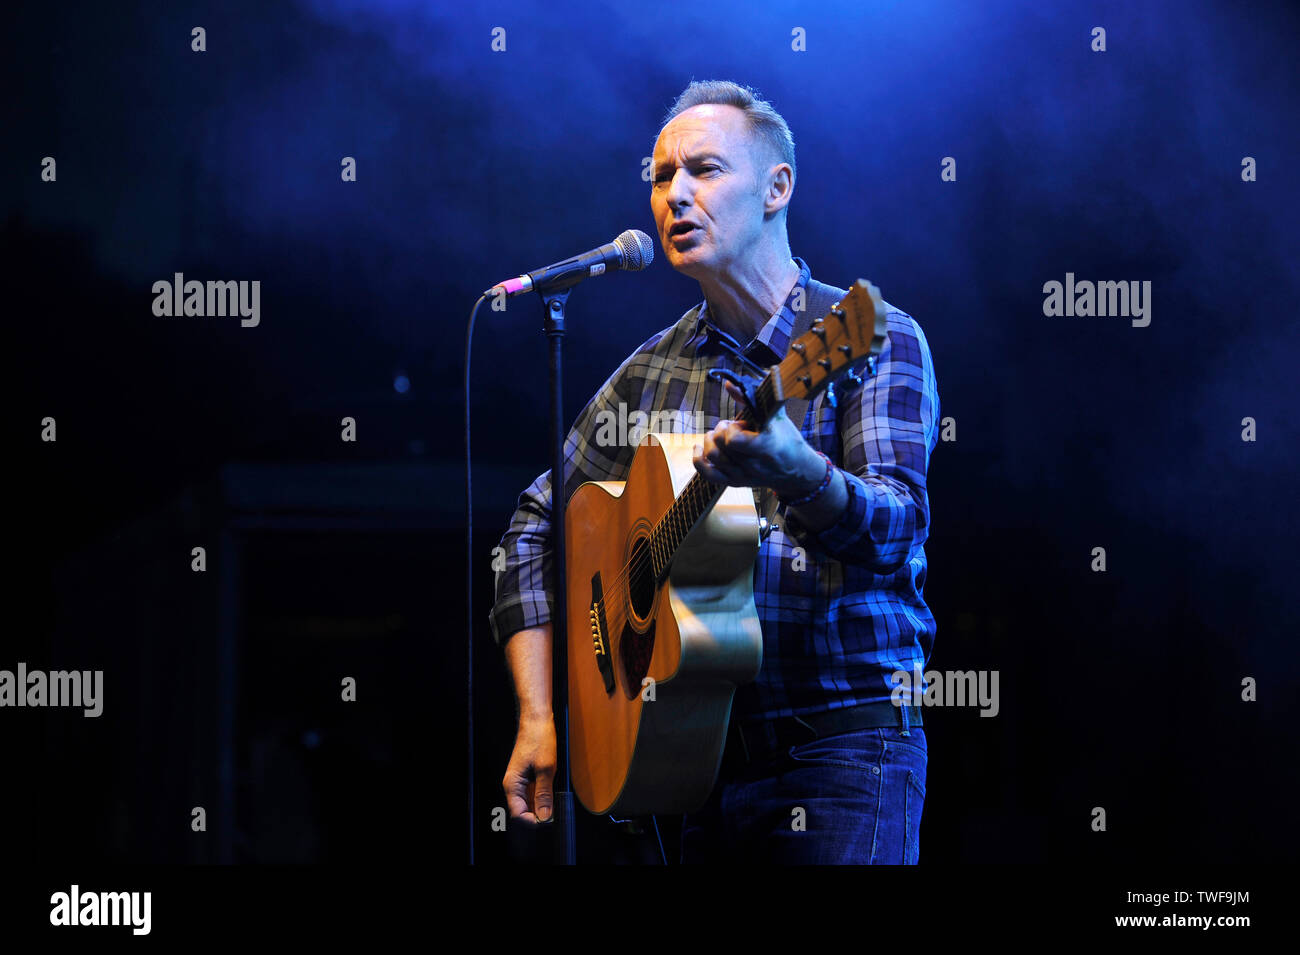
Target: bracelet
point(826, 482)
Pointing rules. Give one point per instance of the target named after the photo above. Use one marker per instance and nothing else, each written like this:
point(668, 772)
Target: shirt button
point(875, 770)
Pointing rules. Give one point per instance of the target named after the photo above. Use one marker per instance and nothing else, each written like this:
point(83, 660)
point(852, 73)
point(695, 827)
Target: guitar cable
point(654, 821)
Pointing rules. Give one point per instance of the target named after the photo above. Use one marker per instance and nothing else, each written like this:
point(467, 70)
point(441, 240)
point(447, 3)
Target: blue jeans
point(852, 798)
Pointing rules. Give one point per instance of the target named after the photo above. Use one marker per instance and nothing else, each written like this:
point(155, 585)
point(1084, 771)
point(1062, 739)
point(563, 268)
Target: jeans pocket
point(914, 741)
point(860, 749)
point(913, 804)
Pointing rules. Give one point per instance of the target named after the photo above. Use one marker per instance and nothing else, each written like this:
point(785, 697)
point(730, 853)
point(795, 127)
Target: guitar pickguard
point(635, 650)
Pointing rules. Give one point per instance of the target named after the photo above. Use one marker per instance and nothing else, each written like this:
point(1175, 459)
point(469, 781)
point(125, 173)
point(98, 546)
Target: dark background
point(329, 559)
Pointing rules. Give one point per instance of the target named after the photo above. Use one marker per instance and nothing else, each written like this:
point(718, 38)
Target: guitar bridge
point(600, 634)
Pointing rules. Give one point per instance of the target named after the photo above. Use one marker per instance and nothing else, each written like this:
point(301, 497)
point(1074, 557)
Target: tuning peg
point(798, 348)
point(847, 349)
point(819, 330)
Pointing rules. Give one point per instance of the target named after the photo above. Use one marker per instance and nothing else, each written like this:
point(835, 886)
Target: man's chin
point(689, 262)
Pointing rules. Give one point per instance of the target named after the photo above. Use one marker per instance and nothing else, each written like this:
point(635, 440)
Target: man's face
point(705, 176)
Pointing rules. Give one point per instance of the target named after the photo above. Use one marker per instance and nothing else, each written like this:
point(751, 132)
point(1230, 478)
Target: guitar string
point(637, 563)
point(636, 566)
point(617, 590)
point(616, 611)
point(692, 487)
point(622, 595)
point(616, 598)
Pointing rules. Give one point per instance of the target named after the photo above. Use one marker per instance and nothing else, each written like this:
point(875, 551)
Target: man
point(821, 766)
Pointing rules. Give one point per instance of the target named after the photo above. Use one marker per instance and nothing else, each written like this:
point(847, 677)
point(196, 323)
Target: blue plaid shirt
point(840, 610)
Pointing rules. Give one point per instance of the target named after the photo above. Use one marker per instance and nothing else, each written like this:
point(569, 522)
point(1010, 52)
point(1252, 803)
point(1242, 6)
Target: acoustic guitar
point(662, 624)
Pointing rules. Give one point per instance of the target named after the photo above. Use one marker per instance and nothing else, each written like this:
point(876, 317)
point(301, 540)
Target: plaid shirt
point(836, 628)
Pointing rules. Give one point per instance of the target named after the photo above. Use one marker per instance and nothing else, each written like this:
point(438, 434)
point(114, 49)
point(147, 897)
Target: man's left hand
point(777, 457)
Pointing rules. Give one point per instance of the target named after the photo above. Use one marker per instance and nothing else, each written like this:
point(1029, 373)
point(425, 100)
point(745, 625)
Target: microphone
point(632, 250)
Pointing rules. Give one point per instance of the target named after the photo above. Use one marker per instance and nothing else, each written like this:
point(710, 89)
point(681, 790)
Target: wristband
point(820, 489)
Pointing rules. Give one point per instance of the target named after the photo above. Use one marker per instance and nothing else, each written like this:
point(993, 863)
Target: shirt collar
point(770, 344)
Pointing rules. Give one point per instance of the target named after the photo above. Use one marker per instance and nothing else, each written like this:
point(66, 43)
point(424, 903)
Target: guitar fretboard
point(698, 496)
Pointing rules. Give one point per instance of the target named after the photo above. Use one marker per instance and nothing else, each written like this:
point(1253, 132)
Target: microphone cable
point(469, 570)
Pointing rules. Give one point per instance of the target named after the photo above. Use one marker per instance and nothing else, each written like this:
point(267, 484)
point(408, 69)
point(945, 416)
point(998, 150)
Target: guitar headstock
point(853, 329)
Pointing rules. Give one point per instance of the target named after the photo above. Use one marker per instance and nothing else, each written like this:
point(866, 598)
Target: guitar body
point(695, 633)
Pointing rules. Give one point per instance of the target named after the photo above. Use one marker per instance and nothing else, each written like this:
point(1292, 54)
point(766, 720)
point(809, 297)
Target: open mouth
point(681, 228)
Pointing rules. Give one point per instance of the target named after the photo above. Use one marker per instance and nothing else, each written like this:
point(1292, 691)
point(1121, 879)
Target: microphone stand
point(563, 815)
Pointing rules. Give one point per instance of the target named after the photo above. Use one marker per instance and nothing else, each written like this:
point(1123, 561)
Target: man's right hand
point(530, 774)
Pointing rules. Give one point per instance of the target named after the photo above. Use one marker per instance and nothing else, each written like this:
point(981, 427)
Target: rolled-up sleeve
point(523, 581)
point(888, 428)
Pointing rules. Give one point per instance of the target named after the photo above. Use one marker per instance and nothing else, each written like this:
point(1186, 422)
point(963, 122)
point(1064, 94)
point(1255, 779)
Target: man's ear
point(778, 188)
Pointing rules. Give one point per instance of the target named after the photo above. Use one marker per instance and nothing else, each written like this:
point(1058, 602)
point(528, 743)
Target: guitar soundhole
point(638, 648)
point(641, 579)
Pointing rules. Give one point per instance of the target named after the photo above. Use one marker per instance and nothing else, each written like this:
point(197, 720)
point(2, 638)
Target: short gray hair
point(762, 121)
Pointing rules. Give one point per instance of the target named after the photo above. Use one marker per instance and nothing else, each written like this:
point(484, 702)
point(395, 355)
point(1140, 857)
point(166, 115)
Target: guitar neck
point(854, 328)
point(689, 507)
point(699, 496)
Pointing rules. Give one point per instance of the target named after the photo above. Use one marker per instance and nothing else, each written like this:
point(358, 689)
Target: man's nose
point(679, 192)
